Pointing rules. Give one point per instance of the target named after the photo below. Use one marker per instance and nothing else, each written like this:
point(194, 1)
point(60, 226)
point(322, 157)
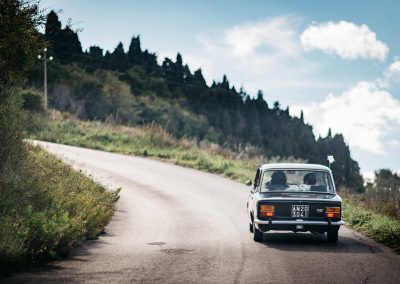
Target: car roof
point(293, 166)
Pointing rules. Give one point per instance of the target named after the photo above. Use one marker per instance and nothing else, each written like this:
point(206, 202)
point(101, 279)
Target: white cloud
point(269, 55)
point(364, 114)
point(264, 55)
point(276, 34)
point(391, 75)
point(395, 66)
point(394, 143)
point(345, 39)
point(368, 176)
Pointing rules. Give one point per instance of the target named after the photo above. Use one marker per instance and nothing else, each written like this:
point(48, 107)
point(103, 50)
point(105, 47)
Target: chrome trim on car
point(297, 222)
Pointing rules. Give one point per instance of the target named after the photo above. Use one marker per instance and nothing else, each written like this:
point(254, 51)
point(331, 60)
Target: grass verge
point(150, 141)
point(383, 229)
point(47, 208)
point(154, 142)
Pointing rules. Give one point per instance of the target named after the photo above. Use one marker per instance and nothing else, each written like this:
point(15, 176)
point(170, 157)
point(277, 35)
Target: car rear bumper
point(298, 222)
point(297, 225)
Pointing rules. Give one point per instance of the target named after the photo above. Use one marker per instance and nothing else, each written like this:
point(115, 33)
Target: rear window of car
point(296, 181)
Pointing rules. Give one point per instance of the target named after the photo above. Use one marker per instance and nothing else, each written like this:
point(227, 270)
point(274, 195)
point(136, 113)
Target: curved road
point(179, 225)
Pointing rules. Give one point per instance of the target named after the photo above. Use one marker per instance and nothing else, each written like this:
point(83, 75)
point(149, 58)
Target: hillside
point(46, 207)
point(375, 212)
point(131, 88)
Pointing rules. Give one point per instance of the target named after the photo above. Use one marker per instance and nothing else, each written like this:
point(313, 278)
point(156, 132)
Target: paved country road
point(179, 225)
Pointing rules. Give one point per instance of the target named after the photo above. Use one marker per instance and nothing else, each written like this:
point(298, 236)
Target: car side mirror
point(249, 182)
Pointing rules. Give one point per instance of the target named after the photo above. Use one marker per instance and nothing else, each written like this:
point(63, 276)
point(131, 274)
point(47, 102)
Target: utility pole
point(44, 58)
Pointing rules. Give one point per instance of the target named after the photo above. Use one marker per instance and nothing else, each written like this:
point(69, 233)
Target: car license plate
point(300, 211)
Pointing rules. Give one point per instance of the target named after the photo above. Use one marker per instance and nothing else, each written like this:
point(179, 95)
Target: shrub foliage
point(46, 208)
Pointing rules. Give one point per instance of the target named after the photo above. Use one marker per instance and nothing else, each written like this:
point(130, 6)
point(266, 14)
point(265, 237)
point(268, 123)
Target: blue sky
point(337, 61)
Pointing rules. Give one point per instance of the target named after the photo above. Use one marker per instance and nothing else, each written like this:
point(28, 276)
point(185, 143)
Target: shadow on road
point(53, 271)
point(316, 243)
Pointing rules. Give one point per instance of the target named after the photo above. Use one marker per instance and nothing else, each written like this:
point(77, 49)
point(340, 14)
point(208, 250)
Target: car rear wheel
point(251, 227)
point(333, 236)
point(257, 234)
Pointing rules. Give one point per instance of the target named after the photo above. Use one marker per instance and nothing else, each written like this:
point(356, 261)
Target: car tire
point(258, 236)
point(333, 236)
point(251, 227)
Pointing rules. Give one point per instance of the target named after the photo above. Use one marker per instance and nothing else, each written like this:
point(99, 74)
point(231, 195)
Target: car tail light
point(332, 212)
point(267, 210)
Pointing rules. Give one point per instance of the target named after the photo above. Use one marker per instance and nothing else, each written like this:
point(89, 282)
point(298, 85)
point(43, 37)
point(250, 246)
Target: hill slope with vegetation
point(46, 207)
point(375, 212)
point(131, 88)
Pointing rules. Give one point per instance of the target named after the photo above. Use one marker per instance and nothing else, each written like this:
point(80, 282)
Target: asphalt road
point(179, 225)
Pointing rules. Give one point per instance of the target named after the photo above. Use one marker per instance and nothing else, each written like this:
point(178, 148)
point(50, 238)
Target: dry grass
point(153, 142)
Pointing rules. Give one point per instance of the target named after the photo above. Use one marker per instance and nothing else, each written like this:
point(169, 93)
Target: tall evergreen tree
point(135, 51)
point(178, 69)
point(117, 59)
point(96, 51)
point(64, 43)
point(52, 28)
point(198, 77)
point(225, 83)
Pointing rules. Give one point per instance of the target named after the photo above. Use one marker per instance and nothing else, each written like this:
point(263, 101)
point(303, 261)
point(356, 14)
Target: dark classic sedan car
point(294, 197)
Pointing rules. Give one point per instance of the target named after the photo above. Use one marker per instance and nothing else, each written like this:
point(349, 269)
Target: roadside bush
point(32, 100)
point(46, 208)
point(11, 132)
point(381, 228)
point(34, 121)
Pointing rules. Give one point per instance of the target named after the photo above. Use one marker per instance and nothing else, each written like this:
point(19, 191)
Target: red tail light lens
point(267, 210)
point(332, 212)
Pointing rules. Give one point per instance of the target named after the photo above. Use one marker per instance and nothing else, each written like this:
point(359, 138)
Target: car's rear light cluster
point(267, 210)
point(332, 212)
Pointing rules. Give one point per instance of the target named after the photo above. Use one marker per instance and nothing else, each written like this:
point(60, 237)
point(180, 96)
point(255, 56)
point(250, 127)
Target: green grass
point(381, 228)
point(153, 142)
point(47, 208)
